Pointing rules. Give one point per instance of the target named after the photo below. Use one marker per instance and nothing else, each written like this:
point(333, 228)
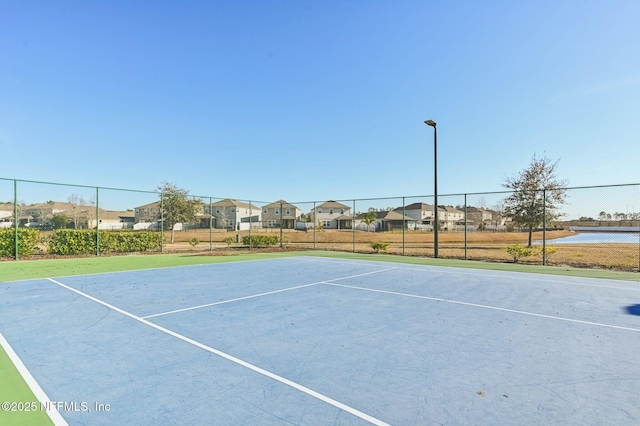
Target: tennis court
point(314, 341)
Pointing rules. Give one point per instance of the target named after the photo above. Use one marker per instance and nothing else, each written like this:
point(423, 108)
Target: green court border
point(18, 390)
point(15, 389)
point(49, 268)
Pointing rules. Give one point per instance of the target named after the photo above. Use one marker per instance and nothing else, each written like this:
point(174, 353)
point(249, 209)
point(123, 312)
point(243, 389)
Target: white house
point(333, 215)
point(233, 214)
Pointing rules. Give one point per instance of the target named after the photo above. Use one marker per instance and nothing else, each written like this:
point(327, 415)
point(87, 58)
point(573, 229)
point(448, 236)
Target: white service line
point(231, 358)
point(261, 294)
point(227, 301)
point(495, 308)
point(42, 397)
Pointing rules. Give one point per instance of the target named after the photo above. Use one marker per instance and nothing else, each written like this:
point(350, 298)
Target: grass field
point(482, 246)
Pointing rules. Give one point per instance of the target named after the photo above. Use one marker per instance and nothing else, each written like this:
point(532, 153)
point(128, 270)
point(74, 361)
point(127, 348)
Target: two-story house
point(233, 214)
point(280, 214)
point(422, 213)
point(333, 215)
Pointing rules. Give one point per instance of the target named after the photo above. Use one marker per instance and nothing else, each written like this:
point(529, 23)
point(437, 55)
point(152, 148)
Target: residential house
point(233, 214)
point(148, 213)
point(422, 213)
point(333, 215)
point(450, 217)
point(6, 215)
point(280, 214)
point(386, 220)
point(113, 220)
point(478, 217)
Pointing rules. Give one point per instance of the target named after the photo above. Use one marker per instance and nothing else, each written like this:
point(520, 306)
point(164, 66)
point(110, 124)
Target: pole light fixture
point(435, 186)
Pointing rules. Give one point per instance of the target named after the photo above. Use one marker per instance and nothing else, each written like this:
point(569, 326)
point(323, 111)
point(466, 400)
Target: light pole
point(435, 186)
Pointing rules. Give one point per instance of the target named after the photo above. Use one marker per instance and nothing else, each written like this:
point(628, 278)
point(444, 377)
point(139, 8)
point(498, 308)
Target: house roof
point(227, 202)
point(150, 205)
point(343, 217)
point(279, 203)
point(388, 215)
point(450, 209)
point(6, 207)
point(332, 204)
point(417, 206)
point(116, 215)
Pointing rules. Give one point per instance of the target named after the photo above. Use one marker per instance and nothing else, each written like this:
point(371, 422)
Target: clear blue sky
point(317, 100)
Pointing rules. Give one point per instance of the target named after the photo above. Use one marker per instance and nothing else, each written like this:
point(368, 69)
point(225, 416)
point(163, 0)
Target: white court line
point(495, 308)
point(227, 301)
point(231, 358)
point(262, 294)
point(527, 276)
point(42, 397)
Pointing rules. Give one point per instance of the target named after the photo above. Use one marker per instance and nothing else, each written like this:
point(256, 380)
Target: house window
point(341, 211)
point(233, 210)
point(287, 211)
point(326, 223)
point(277, 211)
point(265, 210)
point(217, 210)
point(330, 211)
point(271, 223)
point(319, 210)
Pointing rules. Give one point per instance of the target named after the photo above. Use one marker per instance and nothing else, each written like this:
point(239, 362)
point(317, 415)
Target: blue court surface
point(318, 341)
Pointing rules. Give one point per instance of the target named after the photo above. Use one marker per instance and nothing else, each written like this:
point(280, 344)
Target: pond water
point(598, 238)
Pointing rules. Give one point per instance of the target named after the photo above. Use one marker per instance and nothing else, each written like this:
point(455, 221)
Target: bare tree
point(78, 209)
point(537, 195)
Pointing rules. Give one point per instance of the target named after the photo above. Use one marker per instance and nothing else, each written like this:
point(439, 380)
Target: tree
point(59, 221)
point(369, 219)
point(537, 195)
point(177, 207)
point(78, 208)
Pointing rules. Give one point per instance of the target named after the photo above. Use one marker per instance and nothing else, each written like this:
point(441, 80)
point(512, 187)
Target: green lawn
point(14, 387)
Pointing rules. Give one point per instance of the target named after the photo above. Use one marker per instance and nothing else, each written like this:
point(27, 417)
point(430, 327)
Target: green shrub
point(80, 241)
point(549, 251)
point(27, 242)
point(379, 245)
point(518, 251)
point(260, 240)
point(194, 242)
point(229, 240)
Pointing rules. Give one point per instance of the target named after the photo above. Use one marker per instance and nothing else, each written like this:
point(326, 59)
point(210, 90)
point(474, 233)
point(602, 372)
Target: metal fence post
point(16, 219)
point(314, 225)
point(210, 225)
point(404, 224)
point(353, 224)
point(97, 222)
point(281, 207)
point(465, 226)
point(544, 227)
point(161, 222)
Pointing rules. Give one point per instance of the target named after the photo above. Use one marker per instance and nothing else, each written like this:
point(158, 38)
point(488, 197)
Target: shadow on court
point(633, 309)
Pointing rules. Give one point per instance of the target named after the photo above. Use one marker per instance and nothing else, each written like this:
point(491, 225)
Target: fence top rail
point(258, 202)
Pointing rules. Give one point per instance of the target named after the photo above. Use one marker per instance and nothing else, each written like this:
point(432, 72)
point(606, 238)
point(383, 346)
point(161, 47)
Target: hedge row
point(74, 241)
point(27, 242)
point(260, 240)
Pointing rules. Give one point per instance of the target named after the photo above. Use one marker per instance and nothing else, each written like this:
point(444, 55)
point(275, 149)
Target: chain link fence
point(596, 227)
